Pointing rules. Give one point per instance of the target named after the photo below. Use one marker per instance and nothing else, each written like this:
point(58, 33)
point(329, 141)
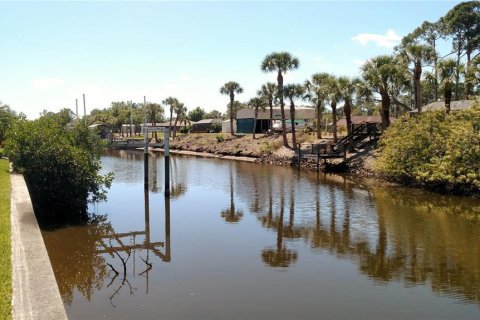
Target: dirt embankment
point(226, 144)
point(269, 149)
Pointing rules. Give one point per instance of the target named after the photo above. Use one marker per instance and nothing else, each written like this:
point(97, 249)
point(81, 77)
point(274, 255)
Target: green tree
point(171, 102)
point(447, 69)
point(280, 62)
point(7, 118)
point(418, 55)
point(348, 88)
point(180, 114)
point(293, 92)
point(60, 163)
point(196, 114)
point(154, 114)
point(382, 74)
point(317, 94)
point(214, 114)
point(231, 88)
point(256, 104)
point(463, 21)
point(269, 91)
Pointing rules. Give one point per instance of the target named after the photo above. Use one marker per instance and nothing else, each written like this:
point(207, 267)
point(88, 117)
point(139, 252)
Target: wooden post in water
point(318, 158)
point(299, 155)
point(84, 110)
point(145, 141)
point(166, 153)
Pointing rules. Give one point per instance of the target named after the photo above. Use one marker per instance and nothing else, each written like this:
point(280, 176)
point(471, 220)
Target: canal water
point(246, 241)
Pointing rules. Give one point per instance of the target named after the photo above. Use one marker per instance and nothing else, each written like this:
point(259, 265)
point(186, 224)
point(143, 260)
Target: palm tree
point(230, 88)
point(269, 92)
point(380, 74)
point(418, 55)
point(152, 110)
point(317, 93)
point(348, 88)
point(447, 69)
point(334, 96)
point(180, 111)
point(256, 104)
point(293, 92)
point(280, 62)
point(170, 102)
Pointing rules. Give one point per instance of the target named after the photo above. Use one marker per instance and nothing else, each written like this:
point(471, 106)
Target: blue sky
point(53, 52)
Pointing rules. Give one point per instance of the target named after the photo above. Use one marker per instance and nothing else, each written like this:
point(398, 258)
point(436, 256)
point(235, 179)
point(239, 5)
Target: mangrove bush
point(435, 150)
point(60, 161)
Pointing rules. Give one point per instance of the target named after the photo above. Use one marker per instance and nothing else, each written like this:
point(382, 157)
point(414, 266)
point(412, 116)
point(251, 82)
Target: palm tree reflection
point(280, 256)
point(231, 215)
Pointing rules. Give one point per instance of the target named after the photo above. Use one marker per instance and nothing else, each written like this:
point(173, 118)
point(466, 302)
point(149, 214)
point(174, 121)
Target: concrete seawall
point(35, 290)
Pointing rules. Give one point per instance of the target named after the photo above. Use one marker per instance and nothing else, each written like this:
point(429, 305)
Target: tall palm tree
point(269, 92)
point(171, 102)
point(348, 88)
point(379, 73)
point(280, 62)
point(293, 92)
point(334, 96)
point(152, 110)
point(418, 55)
point(180, 111)
point(256, 104)
point(317, 94)
point(230, 88)
point(447, 69)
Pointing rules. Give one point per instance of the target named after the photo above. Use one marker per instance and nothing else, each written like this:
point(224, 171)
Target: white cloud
point(389, 40)
point(47, 83)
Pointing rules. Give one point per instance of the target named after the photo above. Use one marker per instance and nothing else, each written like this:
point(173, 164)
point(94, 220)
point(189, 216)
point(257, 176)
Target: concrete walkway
point(35, 290)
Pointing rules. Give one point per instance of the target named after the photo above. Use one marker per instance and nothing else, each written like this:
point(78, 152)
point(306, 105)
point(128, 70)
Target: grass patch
point(5, 250)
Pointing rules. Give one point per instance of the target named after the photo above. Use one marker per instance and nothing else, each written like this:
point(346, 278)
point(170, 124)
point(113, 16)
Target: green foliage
point(196, 114)
point(216, 128)
point(214, 114)
point(7, 118)
point(434, 150)
point(185, 130)
point(60, 162)
point(220, 137)
point(5, 254)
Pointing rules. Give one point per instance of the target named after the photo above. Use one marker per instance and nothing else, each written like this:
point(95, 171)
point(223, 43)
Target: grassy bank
point(5, 252)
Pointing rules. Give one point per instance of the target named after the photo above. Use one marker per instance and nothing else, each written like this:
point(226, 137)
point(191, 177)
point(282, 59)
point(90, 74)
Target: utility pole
point(84, 110)
point(76, 108)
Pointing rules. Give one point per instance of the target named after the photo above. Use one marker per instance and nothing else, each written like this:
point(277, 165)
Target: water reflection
point(277, 219)
point(97, 256)
point(397, 234)
point(280, 256)
point(231, 215)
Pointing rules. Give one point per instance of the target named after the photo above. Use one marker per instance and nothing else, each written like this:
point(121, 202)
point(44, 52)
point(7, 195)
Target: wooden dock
point(363, 134)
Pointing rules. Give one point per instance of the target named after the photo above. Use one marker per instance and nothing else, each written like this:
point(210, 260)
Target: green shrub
point(216, 128)
point(185, 130)
point(434, 150)
point(220, 137)
point(60, 163)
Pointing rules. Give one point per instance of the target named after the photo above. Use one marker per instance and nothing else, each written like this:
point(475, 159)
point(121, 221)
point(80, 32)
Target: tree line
point(396, 81)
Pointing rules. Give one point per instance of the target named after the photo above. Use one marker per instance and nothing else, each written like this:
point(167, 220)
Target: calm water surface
point(246, 241)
